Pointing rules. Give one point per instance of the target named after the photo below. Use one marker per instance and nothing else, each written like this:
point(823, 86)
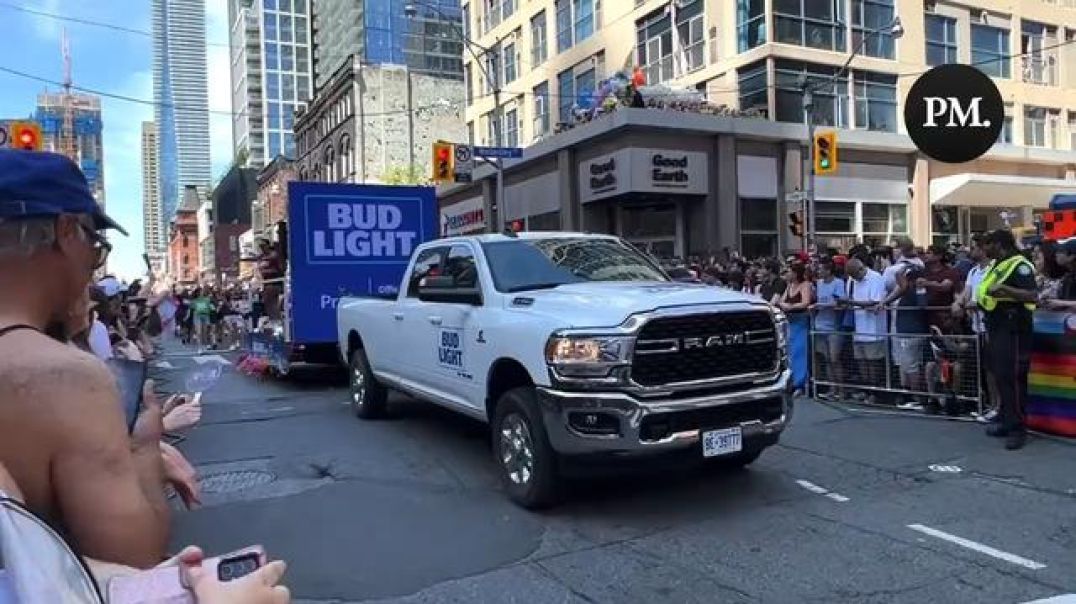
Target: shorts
point(868, 351)
point(908, 354)
point(830, 344)
point(200, 321)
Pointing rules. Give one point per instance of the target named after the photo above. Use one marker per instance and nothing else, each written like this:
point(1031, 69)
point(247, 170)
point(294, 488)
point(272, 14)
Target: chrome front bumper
point(629, 412)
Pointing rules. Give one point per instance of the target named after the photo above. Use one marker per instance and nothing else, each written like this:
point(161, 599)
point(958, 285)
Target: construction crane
point(68, 144)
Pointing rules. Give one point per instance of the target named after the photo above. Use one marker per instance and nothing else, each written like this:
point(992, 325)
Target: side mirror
point(444, 289)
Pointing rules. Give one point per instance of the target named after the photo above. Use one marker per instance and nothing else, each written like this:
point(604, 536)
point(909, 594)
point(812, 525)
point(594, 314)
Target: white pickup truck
point(572, 346)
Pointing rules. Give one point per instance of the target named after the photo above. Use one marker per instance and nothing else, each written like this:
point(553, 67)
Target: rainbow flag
point(1051, 387)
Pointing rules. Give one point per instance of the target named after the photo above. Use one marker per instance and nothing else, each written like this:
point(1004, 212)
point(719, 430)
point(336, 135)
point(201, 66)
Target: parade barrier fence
point(933, 370)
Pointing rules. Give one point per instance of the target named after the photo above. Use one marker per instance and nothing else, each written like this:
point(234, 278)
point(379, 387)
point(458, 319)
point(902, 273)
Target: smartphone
point(170, 585)
point(130, 378)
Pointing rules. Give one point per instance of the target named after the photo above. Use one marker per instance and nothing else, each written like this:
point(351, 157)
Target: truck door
point(454, 332)
point(410, 323)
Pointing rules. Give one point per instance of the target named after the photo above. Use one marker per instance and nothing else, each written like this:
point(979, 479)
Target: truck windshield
point(525, 264)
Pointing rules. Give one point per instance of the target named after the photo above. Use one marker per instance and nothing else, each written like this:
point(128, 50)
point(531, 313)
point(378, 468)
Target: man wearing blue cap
point(63, 435)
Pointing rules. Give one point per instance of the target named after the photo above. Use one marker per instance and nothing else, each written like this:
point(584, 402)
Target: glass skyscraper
point(379, 32)
point(271, 67)
point(181, 100)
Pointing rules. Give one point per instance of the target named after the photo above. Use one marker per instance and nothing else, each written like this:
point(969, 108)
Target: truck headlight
point(780, 324)
point(586, 356)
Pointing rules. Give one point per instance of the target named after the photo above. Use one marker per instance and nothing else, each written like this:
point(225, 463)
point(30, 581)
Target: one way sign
point(464, 166)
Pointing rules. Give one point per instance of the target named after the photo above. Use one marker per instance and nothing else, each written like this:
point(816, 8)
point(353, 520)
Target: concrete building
point(272, 74)
point(181, 103)
point(378, 32)
point(153, 234)
point(183, 254)
point(550, 55)
point(87, 129)
point(369, 120)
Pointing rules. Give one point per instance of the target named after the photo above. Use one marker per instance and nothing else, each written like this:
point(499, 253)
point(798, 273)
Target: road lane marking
point(945, 469)
point(214, 358)
point(812, 487)
point(979, 547)
point(1061, 599)
point(163, 365)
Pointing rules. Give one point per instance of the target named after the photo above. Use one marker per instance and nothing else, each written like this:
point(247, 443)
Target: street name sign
point(499, 152)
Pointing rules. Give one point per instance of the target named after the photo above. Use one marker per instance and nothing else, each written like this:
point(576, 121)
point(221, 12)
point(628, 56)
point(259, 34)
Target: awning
point(997, 191)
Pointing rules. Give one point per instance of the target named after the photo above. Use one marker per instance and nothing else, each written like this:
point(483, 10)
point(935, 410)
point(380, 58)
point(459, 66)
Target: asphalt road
point(850, 507)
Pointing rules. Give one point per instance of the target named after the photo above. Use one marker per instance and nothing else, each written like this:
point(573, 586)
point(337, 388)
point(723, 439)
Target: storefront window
point(550, 221)
point(884, 220)
point(758, 227)
point(648, 221)
point(836, 217)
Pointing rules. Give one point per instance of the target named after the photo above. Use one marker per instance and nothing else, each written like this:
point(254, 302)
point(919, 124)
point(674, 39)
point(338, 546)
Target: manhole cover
point(237, 480)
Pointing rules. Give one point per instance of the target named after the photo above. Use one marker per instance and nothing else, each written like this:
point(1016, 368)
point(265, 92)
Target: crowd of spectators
point(69, 454)
point(899, 309)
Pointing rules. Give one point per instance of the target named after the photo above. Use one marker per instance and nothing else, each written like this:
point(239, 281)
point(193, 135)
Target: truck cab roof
point(494, 237)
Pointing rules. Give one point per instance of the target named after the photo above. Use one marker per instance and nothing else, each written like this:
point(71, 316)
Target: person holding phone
point(62, 432)
point(829, 341)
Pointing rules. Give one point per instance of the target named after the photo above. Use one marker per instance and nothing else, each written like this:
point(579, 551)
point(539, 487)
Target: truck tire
point(368, 396)
point(525, 460)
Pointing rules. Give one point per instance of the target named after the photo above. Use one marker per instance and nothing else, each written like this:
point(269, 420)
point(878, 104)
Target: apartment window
point(1039, 65)
point(566, 95)
point(990, 50)
point(465, 17)
point(1036, 128)
point(541, 109)
point(492, 17)
point(493, 130)
point(654, 46)
point(510, 63)
point(1072, 130)
point(830, 96)
point(468, 82)
point(813, 23)
point(1005, 136)
point(691, 31)
point(507, 8)
point(753, 89)
point(470, 134)
point(750, 24)
point(575, 22)
point(869, 16)
point(539, 45)
point(511, 128)
point(941, 40)
point(876, 101)
point(493, 68)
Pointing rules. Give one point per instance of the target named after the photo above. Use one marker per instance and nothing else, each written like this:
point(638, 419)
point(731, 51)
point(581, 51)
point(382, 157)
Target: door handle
point(398, 316)
point(435, 320)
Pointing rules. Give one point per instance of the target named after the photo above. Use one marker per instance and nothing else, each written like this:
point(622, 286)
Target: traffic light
point(25, 136)
point(795, 223)
point(443, 162)
point(825, 153)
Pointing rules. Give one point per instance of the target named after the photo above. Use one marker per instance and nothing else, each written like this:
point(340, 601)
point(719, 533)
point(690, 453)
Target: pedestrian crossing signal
point(443, 162)
point(795, 223)
point(825, 153)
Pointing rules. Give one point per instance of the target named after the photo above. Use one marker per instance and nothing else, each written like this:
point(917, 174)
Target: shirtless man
point(62, 430)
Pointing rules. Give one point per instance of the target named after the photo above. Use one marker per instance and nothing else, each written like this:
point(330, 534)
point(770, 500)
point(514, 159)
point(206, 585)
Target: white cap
point(111, 286)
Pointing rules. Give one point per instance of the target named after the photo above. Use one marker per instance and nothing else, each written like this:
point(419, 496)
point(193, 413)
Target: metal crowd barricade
point(946, 370)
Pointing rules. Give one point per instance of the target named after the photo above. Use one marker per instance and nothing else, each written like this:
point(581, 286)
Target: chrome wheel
point(358, 386)
point(517, 450)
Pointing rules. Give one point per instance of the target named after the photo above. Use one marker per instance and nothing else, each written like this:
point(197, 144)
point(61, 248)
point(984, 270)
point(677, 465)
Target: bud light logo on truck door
point(354, 239)
point(954, 113)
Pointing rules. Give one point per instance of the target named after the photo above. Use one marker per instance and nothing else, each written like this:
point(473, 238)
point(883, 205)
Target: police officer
point(1007, 296)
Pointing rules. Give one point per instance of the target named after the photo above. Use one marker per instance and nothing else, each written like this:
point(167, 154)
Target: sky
point(115, 62)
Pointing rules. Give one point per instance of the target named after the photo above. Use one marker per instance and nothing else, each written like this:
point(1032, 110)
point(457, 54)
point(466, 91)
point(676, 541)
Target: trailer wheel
point(368, 396)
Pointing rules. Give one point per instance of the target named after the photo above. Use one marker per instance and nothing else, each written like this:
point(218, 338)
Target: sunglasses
point(101, 247)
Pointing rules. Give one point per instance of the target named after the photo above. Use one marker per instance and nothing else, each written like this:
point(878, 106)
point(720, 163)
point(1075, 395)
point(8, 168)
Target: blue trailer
point(342, 239)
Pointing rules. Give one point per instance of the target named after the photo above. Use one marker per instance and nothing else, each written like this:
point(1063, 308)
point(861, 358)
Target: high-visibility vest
point(998, 273)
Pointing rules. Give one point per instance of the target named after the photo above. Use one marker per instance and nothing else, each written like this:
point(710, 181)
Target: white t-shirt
point(100, 345)
point(870, 324)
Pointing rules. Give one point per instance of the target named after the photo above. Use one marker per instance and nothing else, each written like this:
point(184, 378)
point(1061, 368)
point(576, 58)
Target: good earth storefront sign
point(643, 171)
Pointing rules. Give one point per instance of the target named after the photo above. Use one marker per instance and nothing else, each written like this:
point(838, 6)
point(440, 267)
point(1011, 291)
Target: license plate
point(722, 442)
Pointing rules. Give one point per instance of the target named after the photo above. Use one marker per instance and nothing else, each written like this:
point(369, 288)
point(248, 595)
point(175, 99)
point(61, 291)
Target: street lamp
point(895, 29)
point(411, 11)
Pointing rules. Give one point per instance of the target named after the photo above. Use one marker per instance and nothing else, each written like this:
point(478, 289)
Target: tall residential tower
point(151, 200)
point(181, 109)
point(271, 69)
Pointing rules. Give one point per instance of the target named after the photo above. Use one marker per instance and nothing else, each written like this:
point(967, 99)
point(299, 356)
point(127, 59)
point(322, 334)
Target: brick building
point(271, 205)
point(183, 256)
